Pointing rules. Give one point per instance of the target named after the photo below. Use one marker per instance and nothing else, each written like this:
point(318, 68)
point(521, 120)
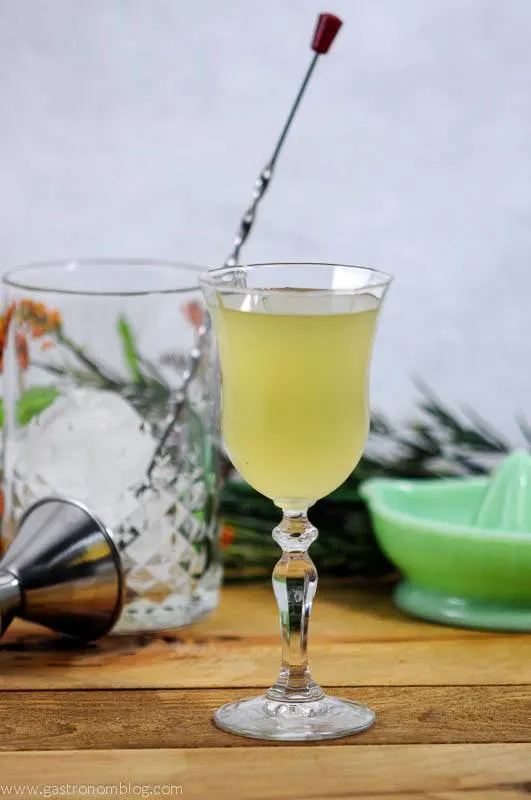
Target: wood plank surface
point(182, 718)
point(436, 772)
point(454, 707)
point(253, 664)
point(357, 639)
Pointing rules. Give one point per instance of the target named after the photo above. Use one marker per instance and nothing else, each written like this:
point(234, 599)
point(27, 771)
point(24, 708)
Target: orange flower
point(39, 310)
point(9, 314)
point(46, 344)
point(34, 320)
point(54, 320)
point(39, 319)
point(226, 536)
point(194, 313)
point(5, 319)
point(5, 322)
point(21, 347)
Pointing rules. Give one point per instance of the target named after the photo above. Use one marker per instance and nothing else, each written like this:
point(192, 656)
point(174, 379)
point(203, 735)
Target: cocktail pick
point(324, 34)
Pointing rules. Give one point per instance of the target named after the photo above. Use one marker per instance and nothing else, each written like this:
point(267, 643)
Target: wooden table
point(454, 708)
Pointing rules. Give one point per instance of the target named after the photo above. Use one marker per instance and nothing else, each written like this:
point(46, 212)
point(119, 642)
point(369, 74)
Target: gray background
point(137, 127)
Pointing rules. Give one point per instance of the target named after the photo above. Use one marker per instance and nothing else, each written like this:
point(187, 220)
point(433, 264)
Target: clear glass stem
point(294, 585)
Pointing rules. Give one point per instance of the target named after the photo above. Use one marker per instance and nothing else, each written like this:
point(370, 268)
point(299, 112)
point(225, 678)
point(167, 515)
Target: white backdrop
point(137, 127)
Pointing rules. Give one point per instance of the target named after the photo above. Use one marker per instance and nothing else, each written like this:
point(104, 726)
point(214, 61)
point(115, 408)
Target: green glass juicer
point(462, 545)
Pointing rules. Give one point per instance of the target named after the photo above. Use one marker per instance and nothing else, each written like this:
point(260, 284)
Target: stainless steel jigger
point(62, 571)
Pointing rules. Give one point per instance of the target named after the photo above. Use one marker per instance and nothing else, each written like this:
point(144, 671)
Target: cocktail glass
point(295, 343)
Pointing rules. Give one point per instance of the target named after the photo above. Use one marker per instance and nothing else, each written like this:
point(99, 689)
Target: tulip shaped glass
point(295, 345)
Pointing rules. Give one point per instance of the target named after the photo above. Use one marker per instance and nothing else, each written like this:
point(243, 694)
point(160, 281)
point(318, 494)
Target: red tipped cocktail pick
point(325, 33)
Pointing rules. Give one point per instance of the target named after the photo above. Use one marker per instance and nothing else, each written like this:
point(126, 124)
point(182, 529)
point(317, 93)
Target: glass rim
point(13, 277)
point(211, 278)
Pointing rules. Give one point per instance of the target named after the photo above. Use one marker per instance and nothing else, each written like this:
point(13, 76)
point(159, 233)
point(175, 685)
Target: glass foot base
point(262, 718)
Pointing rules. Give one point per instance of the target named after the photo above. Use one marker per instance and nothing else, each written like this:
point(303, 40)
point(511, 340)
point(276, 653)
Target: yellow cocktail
point(295, 406)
